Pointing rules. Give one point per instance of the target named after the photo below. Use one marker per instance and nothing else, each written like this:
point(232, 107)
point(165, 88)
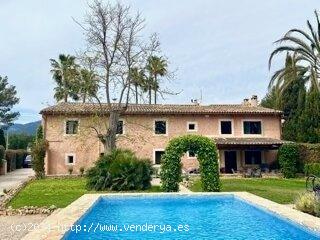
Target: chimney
point(246, 102)
point(254, 101)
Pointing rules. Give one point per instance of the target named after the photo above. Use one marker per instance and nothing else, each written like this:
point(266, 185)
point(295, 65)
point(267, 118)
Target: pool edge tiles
point(79, 208)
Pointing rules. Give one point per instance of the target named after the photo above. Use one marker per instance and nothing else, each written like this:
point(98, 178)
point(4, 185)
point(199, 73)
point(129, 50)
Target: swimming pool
point(182, 217)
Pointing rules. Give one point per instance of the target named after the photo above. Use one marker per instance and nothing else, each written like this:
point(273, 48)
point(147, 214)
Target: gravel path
point(13, 227)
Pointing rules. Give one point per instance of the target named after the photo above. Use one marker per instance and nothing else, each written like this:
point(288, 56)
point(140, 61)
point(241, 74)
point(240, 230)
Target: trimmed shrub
point(11, 156)
point(312, 169)
point(288, 155)
point(207, 155)
point(38, 154)
point(120, 170)
point(2, 154)
point(20, 156)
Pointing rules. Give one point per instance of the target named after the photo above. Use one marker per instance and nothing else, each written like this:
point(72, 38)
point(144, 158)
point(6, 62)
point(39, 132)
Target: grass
point(282, 191)
point(58, 192)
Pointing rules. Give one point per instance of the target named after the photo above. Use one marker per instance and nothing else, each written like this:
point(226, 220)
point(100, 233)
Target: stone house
point(246, 134)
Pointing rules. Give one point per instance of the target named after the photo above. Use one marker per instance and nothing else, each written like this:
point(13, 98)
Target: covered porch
point(238, 154)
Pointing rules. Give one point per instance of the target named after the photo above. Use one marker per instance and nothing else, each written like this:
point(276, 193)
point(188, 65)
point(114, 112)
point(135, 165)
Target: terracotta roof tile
point(91, 108)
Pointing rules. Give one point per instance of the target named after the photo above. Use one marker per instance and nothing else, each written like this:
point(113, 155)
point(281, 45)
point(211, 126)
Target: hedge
point(2, 154)
point(207, 155)
point(312, 169)
point(288, 156)
point(15, 158)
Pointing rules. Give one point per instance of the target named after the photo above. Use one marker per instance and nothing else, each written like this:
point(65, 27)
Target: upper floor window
point(192, 126)
point(160, 127)
point(252, 127)
point(120, 127)
point(72, 126)
point(191, 154)
point(252, 157)
point(226, 127)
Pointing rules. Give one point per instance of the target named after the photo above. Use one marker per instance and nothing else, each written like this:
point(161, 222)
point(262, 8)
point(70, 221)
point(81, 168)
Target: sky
point(219, 48)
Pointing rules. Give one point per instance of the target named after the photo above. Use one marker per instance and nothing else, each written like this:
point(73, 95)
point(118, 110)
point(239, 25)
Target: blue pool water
point(183, 217)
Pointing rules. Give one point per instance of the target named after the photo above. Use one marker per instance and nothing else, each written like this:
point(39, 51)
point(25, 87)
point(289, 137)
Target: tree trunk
point(155, 96)
point(149, 94)
point(110, 141)
point(136, 90)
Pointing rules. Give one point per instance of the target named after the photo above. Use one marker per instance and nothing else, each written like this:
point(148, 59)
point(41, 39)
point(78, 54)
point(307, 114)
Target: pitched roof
point(249, 141)
point(91, 108)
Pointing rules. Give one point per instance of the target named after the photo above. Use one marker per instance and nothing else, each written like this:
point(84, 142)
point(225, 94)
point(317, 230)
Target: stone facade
point(139, 136)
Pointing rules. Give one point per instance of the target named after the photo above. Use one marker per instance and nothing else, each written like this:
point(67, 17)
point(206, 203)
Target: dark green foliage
point(312, 169)
point(310, 118)
point(206, 152)
point(2, 154)
point(2, 138)
point(38, 154)
point(20, 156)
point(7, 100)
point(288, 156)
point(120, 170)
point(11, 156)
point(20, 141)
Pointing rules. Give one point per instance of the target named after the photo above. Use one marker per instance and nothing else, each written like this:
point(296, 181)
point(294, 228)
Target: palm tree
point(304, 46)
point(138, 79)
point(156, 66)
point(64, 72)
point(88, 84)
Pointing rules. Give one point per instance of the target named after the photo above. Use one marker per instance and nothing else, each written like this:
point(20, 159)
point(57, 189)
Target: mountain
point(28, 128)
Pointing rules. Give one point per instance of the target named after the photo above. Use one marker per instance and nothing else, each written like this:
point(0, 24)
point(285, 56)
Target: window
point(252, 157)
point(226, 127)
point(252, 127)
point(72, 127)
point(160, 127)
point(192, 126)
point(70, 159)
point(157, 156)
point(120, 127)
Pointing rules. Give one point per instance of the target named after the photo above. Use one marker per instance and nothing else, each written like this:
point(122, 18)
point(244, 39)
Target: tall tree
point(157, 67)
point(305, 49)
point(8, 98)
point(64, 73)
point(113, 36)
point(310, 118)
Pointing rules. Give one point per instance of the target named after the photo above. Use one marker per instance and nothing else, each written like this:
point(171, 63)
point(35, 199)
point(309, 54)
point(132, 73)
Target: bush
point(10, 156)
point(20, 157)
point(206, 154)
point(2, 154)
point(38, 154)
point(120, 170)
point(288, 155)
point(308, 203)
point(81, 169)
point(312, 169)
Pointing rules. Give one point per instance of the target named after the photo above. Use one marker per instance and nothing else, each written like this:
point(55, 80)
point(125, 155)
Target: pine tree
point(310, 118)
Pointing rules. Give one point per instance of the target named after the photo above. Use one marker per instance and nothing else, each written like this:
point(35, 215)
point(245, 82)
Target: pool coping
point(56, 225)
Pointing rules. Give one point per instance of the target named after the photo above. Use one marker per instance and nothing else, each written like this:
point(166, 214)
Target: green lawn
point(277, 190)
point(58, 192)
